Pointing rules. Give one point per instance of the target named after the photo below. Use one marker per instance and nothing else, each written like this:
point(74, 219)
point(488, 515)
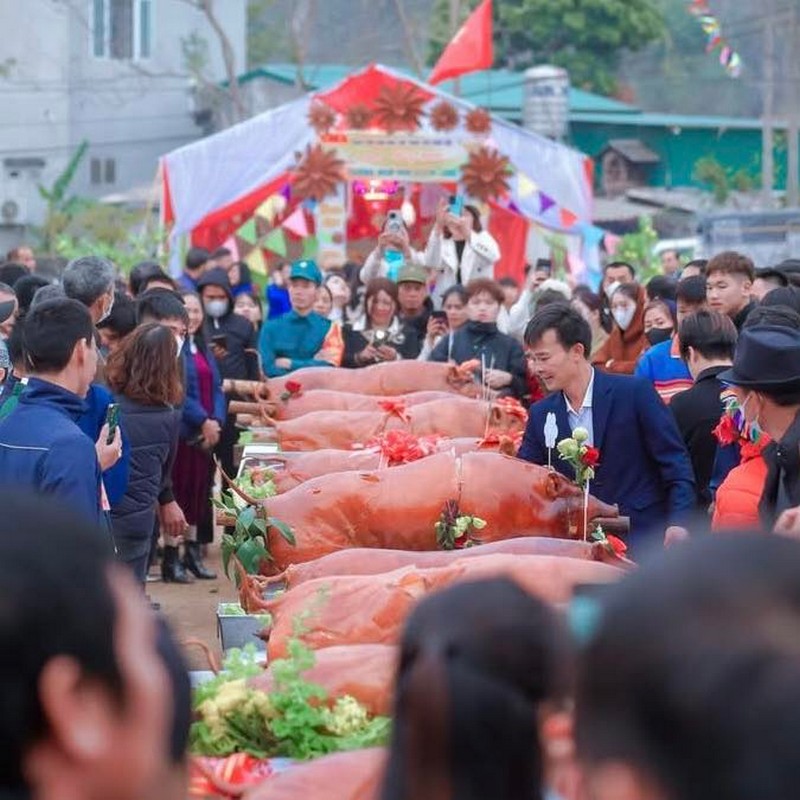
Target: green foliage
point(722, 180)
point(265, 41)
point(296, 719)
point(249, 542)
point(637, 249)
point(586, 37)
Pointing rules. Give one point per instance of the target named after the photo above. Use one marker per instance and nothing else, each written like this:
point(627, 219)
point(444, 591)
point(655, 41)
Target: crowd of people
point(648, 368)
point(112, 411)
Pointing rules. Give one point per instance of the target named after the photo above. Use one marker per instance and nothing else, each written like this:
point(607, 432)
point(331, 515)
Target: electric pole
point(767, 163)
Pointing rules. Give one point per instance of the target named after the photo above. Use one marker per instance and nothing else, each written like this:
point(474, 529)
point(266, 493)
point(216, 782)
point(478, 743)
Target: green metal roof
point(498, 89)
point(501, 91)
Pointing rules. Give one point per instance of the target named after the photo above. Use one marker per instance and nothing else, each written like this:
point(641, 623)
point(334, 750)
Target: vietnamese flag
point(471, 49)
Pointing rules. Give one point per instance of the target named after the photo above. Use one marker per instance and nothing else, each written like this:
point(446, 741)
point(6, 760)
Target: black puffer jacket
point(500, 351)
point(241, 362)
point(153, 435)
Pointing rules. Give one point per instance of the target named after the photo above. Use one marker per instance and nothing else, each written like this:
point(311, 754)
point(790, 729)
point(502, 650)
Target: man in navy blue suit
point(644, 466)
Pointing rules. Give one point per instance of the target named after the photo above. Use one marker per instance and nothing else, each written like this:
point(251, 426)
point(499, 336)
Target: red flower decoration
point(402, 447)
point(726, 432)
point(294, 387)
point(617, 545)
point(591, 458)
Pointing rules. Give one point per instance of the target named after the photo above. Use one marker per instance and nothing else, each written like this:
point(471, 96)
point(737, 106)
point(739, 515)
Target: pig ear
point(556, 486)
point(496, 415)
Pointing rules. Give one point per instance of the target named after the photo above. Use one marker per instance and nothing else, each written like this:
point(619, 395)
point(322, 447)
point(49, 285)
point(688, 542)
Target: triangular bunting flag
point(230, 244)
point(267, 209)
point(545, 202)
point(248, 231)
point(512, 206)
point(275, 241)
point(296, 223)
point(592, 235)
point(256, 261)
point(310, 247)
point(286, 191)
point(525, 186)
point(568, 219)
point(611, 242)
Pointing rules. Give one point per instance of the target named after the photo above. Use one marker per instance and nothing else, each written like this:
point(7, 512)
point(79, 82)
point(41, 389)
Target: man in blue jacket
point(644, 466)
point(41, 446)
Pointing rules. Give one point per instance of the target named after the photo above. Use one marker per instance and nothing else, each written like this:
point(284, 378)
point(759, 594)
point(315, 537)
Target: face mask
point(217, 308)
point(751, 428)
point(658, 335)
point(624, 316)
point(179, 340)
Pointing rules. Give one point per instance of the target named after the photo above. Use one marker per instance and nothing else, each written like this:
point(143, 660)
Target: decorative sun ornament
point(399, 107)
point(444, 116)
point(486, 174)
point(318, 173)
point(321, 117)
point(358, 117)
point(478, 121)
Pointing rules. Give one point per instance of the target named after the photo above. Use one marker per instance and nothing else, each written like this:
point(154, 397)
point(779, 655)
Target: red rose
point(617, 545)
point(591, 458)
point(294, 387)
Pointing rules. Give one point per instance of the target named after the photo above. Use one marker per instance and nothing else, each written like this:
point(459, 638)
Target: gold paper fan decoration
point(358, 117)
point(317, 175)
point(399, 107)
point(486, 174)
point(478, 121)
point(321, 117)
point(444, 116)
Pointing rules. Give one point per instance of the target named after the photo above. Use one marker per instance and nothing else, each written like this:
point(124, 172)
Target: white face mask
point(217, 308)
point(623, 316)
point(179, 340)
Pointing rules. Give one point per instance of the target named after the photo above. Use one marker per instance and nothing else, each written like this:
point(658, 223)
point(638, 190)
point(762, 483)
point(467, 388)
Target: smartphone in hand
point(112, 420)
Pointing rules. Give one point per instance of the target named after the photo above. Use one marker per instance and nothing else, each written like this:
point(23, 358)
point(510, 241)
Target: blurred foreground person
point(482, 667)
point(85, 695)
point(711, 709)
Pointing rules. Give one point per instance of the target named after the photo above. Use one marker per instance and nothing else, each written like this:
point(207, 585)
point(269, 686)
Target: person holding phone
point(393, 251)
point(379, 335)
point(446, 322)
point(459, 250)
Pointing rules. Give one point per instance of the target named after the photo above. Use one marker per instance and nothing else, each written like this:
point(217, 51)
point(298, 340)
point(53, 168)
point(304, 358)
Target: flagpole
point(455, 17)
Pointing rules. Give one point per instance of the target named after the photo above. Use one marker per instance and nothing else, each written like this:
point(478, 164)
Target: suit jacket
point(644, 466)
point(697, 412)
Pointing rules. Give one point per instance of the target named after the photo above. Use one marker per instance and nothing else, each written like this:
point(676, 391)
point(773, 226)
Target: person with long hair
point(627, 341)
point(144, 374)
point(204, 414)
point(459, 249)
point(453, 316)
point(379, 335)
point(482, 667)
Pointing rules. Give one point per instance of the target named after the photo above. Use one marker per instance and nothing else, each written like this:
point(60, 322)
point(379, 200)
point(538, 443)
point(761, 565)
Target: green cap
point(411, 274)
point(306, 269)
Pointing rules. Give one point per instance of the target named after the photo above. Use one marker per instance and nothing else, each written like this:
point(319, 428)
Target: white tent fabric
point(214, 172)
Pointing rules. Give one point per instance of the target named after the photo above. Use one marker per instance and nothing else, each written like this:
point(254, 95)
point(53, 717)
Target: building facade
point(109, 72)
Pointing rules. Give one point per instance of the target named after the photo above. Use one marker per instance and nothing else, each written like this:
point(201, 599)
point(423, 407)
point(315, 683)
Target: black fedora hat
point(767, 357)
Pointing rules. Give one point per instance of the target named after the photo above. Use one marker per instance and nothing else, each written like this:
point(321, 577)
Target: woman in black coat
point(481, 341)
point(379, 335)
point(144, 374)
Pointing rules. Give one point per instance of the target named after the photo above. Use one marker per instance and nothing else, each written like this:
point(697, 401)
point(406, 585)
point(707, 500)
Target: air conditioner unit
point(13, 211)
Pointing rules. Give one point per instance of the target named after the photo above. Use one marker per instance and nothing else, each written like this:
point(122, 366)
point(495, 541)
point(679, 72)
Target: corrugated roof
point(634, 150)
point(497, 89)
point(648, 119)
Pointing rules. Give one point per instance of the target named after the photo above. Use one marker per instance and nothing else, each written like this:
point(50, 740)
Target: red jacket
point(736, 506)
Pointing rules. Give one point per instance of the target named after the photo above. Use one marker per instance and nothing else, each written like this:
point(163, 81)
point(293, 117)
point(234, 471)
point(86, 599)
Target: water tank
point(545, 105)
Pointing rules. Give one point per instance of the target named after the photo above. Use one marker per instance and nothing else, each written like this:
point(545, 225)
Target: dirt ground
point(191, 609)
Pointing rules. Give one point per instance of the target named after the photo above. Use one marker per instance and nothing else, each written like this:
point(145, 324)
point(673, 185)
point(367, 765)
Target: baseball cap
point(411, 274)
point(307, 270)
